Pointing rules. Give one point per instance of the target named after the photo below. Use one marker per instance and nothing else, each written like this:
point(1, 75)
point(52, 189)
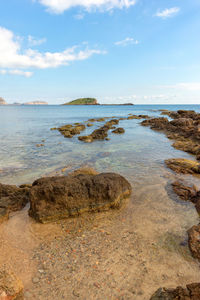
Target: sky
point(118, 51)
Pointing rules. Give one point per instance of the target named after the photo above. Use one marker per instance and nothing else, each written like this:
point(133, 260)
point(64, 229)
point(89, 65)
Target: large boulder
point(11, 287)
point(54, 198)
point(191, 292)
point(194, 241)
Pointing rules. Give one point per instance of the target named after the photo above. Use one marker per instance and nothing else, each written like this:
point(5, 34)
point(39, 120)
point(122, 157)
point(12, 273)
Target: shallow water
point(146, 247)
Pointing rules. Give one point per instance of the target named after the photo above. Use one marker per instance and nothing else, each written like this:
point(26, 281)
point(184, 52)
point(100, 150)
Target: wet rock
point(119, 130)
point(86, 138)
point(54, 198)
point(191, 292)
point(70, 130)
point(182, 122)
point(39, 145)
point(156, 123)
point(184, 166)
point(185, 192)
point(133, 117)
point(84, 170)
point(89, 125)
point(194, 241)
point(11, 287)
point(12, 197)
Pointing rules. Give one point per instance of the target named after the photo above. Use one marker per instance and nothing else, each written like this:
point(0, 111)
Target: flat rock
point(191, 292)
point(54, 198)
point(185, 166)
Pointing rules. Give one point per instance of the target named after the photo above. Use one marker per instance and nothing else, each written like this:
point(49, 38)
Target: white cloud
point(59, 6)
point(32, 41)
point(188, 86)
point(16, 72)
point(127, 41)
point(168, 12)
point(13, 57)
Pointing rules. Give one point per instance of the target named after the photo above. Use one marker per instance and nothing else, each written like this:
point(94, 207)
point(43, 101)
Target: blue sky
point(143, 51)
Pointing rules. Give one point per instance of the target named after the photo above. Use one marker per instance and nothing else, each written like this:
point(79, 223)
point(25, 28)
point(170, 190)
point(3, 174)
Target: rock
point(2, 101)
point(191, 292)
point(89, 125)
point(4, 214)
point(70, 130)
point(54, 198)
point(185, 192)
point(185, 166)
point(194, 241)
point(35, 279)
point(133, 117)
point(119, 130)
point(11, 288)
point(83, 170)
point(39, 145)
point(182, 122)
point(86, 138)
point(12, 197)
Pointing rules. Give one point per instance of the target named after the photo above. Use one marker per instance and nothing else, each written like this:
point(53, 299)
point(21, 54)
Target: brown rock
point(12, 197)
point(119, 130)
point(55, 198)
point(194, 241)
point(191, 292)
point(185, 166)
point(185, 192)
point(11, 288)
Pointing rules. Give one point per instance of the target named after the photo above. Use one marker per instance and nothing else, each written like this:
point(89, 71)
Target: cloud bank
point(59, 6)
point(168, 12)
point(13, 57)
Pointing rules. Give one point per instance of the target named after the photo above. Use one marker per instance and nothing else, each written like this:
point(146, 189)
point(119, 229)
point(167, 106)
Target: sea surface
point(138, 151)
point(121, 254)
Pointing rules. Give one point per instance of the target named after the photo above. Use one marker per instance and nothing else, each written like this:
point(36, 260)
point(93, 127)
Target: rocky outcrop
point(184, 166)
point(119, 130)
point(11, 288)
point(191, 292)
point(184, 129)
point(12, 197)
point(83, 101)
point(2, 101)
point(70, 130)
point(54, 198)
point(194, 241)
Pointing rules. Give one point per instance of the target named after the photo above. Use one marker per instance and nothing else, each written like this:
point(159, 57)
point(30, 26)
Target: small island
point(2, 101)
point(36, 103)
point(83, 101)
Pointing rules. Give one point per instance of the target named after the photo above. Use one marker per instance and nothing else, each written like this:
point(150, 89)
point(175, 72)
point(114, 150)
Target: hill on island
point(2, 101)
point(83, 101)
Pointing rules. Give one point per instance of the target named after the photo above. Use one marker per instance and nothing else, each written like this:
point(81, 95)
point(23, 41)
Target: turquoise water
point(139, 151)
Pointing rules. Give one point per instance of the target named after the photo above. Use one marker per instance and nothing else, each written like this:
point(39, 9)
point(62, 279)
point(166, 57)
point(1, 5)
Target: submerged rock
point(54, 198)
point(185, 166)
point(70, 130)
point(194, 241)
point(191, 292)
point(11, 287)
point(185, 192)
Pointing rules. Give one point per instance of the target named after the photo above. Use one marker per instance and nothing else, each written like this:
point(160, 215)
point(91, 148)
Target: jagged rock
point(70, 130)
point(119, 130)
point(55, 198)
point(194, 241)
point(191, 292)
point(13, 198)
point(11, 287)
point(185, 192)
point(185, 166)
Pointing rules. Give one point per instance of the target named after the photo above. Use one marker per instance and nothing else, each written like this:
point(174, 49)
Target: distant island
point(2, 101)
point(119, 104)
point(35, 103)
point(83, 101)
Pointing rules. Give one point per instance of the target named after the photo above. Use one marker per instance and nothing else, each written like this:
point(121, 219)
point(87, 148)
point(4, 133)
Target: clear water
point(149, 235)
point(22, 127)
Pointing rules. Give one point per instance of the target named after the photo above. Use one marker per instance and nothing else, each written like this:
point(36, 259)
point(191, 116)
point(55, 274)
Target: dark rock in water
point(185, 192)
point(184, 166)
point(54, 198)
point(86, 138)
point(11, 288)
point(12, 197)
point(70, 130)
point(194, 241)
point(191, 292)
point(119, 130)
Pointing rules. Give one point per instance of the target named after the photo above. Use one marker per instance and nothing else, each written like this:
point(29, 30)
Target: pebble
point(27, 294)
point(35, 280)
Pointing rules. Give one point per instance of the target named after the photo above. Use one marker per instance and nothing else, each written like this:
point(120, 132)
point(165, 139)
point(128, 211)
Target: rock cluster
point(184, 129)
point(191, 292)
point(11, 288)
